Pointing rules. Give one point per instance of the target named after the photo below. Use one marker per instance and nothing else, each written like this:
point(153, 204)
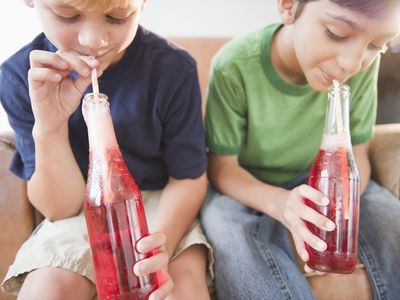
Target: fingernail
point(330, 225)
point(325, 201)
point(93, 62)
point(85, 71)
point(322, 246)
point(139, 269)
point(304, 256)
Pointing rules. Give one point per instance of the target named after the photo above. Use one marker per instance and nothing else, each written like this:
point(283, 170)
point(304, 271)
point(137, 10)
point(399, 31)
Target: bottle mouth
point(95, 98)
point(344, 90)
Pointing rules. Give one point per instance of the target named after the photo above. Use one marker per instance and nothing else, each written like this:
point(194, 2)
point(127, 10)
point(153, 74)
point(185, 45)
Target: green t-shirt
point(273, 126)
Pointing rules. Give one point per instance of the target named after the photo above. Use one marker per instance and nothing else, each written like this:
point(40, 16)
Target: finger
point(308, 270)
point(148, 243)
point(77, 63)
point(82, 83)
point(90, 60)
point(306, 191)
point(40, 58)
point(43, 74)
point(94, 63)
point(300, 248)
point(151, 264)
point(306, 235)
point(309, 214)
point(164, 290)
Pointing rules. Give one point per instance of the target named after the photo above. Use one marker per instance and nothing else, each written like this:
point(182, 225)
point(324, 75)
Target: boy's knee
point(188, 286)
point(57, 284)
point(188, 271)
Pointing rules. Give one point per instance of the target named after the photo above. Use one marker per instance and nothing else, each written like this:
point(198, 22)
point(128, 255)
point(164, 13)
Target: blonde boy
point(155, 104)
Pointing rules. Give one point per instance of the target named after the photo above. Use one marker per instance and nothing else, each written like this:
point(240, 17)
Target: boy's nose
point(92, 36)
point(351, 63)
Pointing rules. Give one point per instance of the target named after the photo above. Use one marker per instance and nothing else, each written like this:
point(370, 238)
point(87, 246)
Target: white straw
point(338, 108)
point(95, 83)
point(336, 84)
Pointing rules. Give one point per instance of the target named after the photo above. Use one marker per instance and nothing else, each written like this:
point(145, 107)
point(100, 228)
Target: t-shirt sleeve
point(363, 103)
point(14, 97)
point(183, 138)
point(226, 119)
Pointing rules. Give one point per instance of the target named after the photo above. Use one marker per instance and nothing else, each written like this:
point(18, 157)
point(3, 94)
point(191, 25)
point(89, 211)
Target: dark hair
point(371, 8)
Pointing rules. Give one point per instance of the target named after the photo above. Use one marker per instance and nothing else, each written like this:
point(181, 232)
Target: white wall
point(18, 23)
point(208, 17)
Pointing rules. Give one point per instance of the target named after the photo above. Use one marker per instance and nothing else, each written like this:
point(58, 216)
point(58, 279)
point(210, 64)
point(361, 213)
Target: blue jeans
point(254, 258)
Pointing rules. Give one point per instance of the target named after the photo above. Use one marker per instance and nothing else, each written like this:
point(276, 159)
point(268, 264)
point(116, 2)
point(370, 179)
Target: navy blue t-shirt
point(155, 105)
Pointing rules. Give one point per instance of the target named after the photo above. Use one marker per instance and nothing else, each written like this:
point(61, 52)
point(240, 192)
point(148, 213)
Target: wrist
point(42, 134)
point(275, 207)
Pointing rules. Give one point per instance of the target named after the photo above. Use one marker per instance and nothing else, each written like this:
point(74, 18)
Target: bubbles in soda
point(332, 175)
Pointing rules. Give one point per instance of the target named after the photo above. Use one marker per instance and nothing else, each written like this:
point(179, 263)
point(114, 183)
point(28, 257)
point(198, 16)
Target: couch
point(19, 218)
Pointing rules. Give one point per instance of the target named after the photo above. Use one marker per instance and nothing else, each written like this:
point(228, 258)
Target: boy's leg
point(379, 240)
point(191, 263)
point(188, 270)
point(56, 284)
point(253, 254)
point(55, 253)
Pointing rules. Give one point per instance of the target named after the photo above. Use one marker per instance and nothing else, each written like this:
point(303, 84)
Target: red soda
point(335, 174)
point(330, 175)
point(114, 211)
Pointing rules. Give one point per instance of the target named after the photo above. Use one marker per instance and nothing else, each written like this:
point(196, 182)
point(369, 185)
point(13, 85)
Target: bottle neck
point(96, 112)
point(337, 130)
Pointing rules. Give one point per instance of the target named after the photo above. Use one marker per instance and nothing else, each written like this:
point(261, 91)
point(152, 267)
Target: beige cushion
point(384, 155)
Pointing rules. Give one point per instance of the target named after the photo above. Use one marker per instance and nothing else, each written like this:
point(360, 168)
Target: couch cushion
point(384, 154)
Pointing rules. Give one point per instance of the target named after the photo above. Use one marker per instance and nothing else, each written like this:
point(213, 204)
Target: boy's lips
point(97, 56)
point(329, 79)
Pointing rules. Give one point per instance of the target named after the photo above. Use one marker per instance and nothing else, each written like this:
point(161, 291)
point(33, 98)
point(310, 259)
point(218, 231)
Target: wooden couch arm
point(384, 154)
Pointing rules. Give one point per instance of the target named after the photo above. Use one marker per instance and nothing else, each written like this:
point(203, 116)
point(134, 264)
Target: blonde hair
point(102, 5)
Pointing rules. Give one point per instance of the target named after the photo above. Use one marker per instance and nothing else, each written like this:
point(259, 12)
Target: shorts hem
point(17, 272)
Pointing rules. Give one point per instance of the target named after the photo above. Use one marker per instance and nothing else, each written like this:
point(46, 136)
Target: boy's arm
point(179, 204)
point(230, 178)
point(286, 206)
point(57, 186)
point(361, 156)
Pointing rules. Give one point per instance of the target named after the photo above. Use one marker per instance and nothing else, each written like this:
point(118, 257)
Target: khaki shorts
point(64, 244)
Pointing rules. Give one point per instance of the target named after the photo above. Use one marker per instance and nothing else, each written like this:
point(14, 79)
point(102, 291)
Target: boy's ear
point(287, 10)
point(29, 3)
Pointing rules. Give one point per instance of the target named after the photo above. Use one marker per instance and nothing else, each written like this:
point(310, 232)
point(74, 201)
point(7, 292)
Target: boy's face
point(91, 33)
point(332, 42)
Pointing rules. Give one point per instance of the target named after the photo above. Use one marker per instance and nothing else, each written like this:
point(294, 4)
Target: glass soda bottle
point(335, 174)
point(113, 209)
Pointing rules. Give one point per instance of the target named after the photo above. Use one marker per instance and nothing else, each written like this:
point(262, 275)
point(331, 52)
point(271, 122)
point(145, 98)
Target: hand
point(54, 94)
point(157, 263)
point(293, 214)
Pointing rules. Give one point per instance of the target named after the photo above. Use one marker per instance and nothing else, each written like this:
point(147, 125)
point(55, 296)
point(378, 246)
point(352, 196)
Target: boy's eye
point(73, 19)
point(334, 36)
point(114, 20)
point(68, 20)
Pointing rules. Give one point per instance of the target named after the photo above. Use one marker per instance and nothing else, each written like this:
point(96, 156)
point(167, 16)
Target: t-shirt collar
point(269, 70)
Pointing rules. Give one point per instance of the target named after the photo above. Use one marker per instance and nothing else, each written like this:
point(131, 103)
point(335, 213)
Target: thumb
point(82, 83)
